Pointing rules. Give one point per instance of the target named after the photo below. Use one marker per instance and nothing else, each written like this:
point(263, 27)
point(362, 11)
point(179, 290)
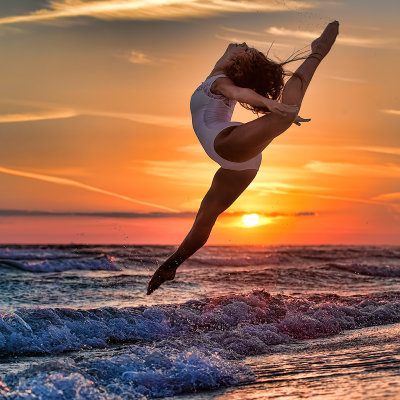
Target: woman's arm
point(245, 95)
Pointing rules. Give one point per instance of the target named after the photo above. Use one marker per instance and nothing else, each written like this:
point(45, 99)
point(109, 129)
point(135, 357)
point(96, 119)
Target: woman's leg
point(226, 187)
point(297, 85)
point(244, 142)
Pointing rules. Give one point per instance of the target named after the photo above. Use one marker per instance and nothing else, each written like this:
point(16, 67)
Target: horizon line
point(126, 214)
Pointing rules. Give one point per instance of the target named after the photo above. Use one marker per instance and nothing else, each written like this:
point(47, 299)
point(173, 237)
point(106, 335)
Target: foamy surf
point(140, 373)
point(239, 325)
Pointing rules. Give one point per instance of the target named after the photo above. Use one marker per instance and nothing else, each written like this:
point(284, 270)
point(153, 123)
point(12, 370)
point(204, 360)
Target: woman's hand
point(280, 108)
point(300, 119)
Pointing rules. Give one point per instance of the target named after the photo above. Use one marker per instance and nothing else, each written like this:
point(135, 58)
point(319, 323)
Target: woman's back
point(210, 109)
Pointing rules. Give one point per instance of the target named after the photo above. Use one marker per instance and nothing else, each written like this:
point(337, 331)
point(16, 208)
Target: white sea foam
point(141, 373)
point(222, 323)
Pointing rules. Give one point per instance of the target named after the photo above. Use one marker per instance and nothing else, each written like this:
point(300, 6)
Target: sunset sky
point(96, 144)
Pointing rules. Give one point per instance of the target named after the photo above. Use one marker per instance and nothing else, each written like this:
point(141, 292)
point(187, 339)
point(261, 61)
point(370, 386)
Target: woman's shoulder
point(216, 73)
point(210, 81)
point(208, 87)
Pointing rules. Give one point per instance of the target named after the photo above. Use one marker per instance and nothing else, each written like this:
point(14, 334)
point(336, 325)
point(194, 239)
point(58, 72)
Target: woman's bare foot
point(160, 276)
point(320, 47)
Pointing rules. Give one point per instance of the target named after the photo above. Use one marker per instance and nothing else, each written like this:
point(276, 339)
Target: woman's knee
point(275, 124)
point(207, 215)
point(283, 122)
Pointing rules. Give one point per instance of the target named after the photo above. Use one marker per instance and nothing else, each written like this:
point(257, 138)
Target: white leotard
point(211, 113)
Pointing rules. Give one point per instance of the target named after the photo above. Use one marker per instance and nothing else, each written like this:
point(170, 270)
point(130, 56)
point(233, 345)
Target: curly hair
point(256, 71)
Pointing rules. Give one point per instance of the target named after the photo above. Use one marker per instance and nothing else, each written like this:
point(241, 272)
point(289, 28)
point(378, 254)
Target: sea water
point(238, 322)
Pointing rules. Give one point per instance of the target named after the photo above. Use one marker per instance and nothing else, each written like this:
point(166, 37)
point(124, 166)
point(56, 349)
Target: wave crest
point(369, 269)
point(220, 322)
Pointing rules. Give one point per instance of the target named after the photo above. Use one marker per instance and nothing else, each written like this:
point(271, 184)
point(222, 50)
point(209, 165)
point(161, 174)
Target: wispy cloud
point(375, 149)
point(343, 39)
point(343, 198)
point(391, 112)
point(200, 173)
point(190, 172)
point(350, 169)
point(152, 9)
point(70, 182)
point(197, 149)
point(272, 214)
point(328, 148)
point(65, 171)
point(180, 171)
point(38, 116)
point(286, 188)
point(393, 197)
point(194, 149)
point(137, 57)
point(243, 35)
point(151, 119)
point(260, 44)
point(346, 79)
point(392, 200)
point(242, 31)
point(308, 191)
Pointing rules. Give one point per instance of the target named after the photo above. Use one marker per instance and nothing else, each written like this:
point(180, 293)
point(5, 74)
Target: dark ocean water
point(238, 322)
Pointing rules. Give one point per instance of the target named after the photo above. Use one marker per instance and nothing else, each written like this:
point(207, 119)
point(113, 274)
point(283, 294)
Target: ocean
point(238, 322)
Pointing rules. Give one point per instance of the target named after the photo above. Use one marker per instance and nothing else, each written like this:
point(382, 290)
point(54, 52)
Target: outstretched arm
point(245, 95)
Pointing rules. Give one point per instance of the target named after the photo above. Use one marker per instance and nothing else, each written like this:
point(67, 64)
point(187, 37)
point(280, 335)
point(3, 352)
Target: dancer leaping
point(247, 76)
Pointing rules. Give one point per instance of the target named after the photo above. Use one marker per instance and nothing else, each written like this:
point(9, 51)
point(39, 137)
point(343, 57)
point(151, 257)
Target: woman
point(246, 76)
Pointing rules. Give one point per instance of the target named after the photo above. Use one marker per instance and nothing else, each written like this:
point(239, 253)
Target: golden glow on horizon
point(250, 220)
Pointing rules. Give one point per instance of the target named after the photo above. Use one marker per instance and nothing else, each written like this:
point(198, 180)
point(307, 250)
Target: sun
point(250, 219)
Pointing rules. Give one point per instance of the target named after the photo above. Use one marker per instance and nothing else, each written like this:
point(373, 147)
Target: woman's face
point(234, 49)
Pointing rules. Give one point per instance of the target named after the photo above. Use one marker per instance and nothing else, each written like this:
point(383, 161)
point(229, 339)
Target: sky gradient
point(95, 127)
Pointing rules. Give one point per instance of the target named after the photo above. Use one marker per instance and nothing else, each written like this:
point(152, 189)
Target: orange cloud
point(40, 116)
point(260, 44)
point(137, 57)
point(342, 38)
point(349, 169)
point(391, 111)
point(393, 197)
point(346, 79)
point(193, 173)
point(197, 149)
point(151, 119)
point(155, 9)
